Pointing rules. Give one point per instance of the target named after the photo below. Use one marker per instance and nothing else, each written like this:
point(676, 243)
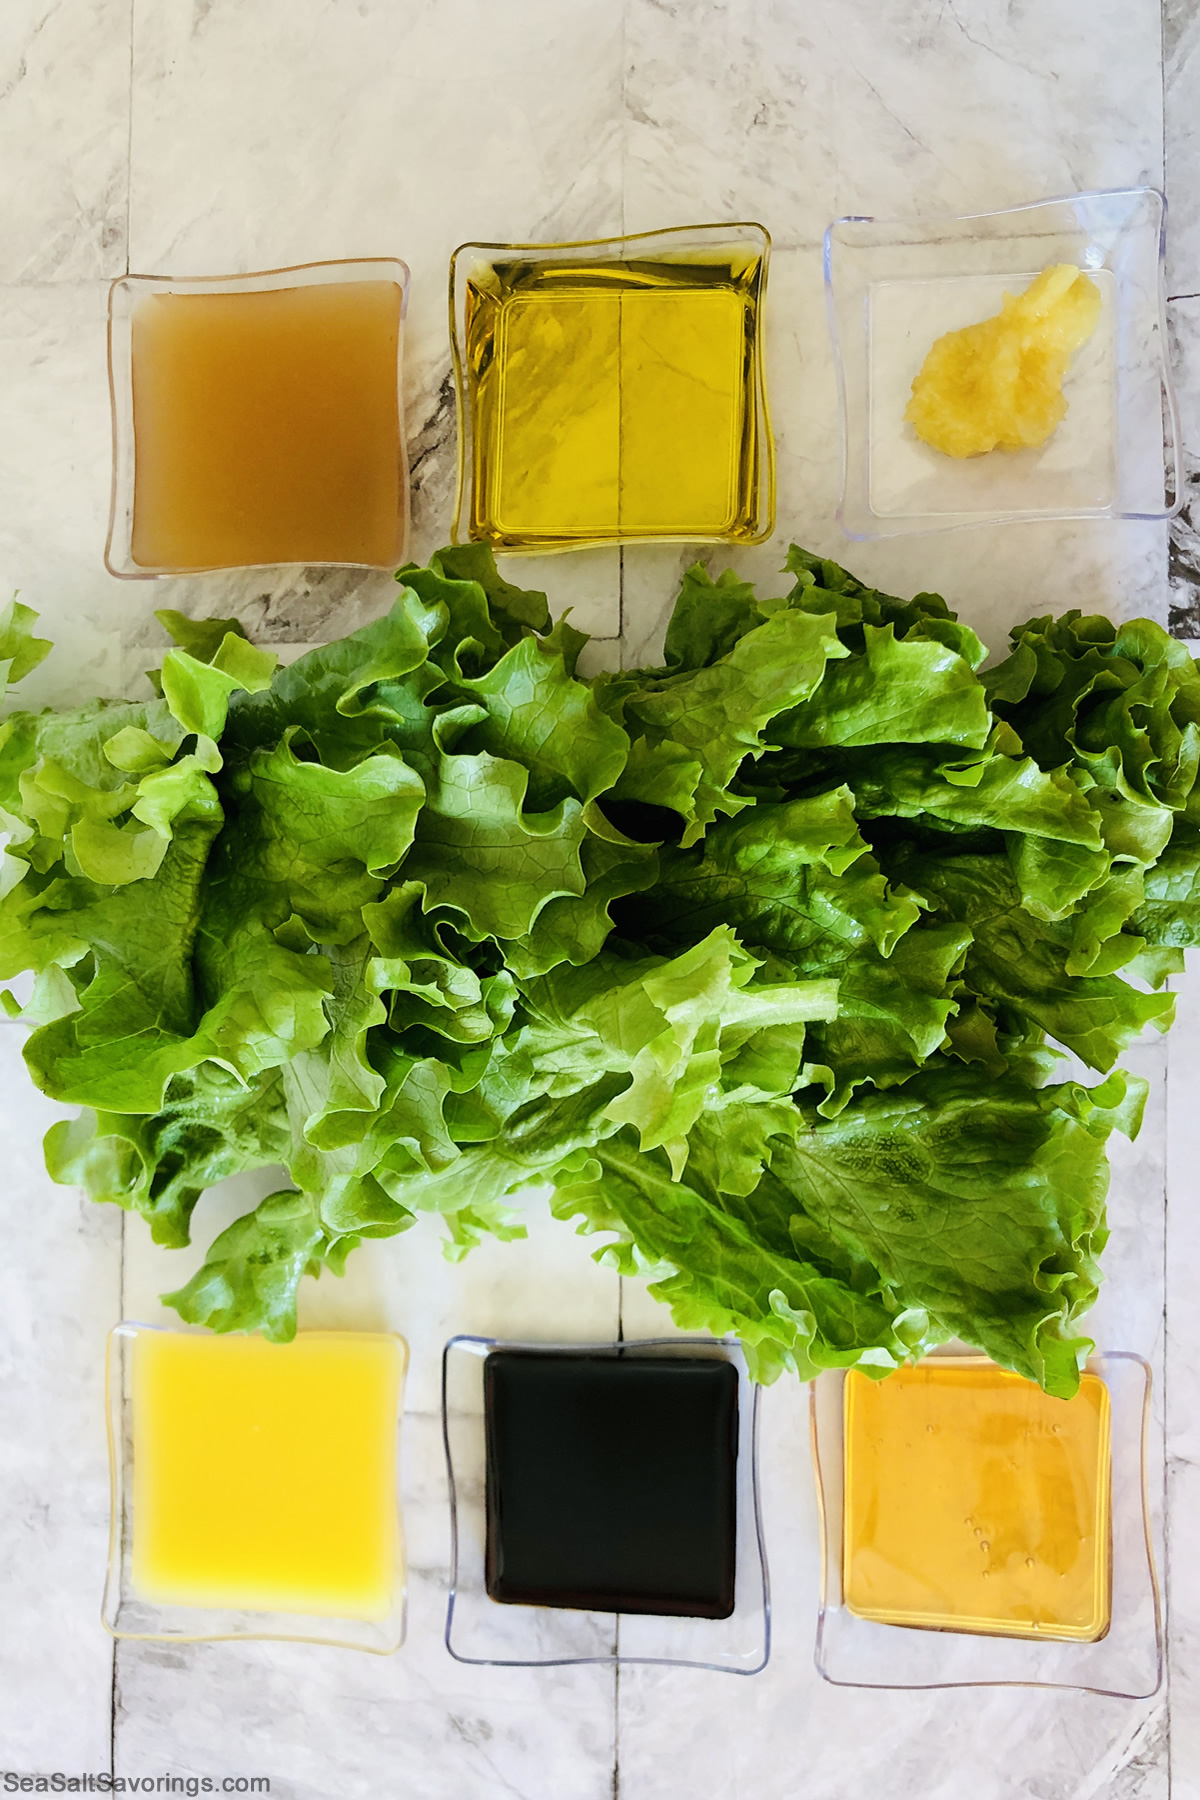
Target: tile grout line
point(1166, 1249)
point(623, 116)
point(621, 604)
point(1162, 86)
point(1166, 1395)
point(625, 110)
point(129, 144)
point(115, 1682)
point(623, 119)
point(616, 1774)
point(115, 1679)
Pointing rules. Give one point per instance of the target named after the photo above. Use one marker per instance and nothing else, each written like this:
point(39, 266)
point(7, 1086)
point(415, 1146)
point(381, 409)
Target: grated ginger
point(998, 384)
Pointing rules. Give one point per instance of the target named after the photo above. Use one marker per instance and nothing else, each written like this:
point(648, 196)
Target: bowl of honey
point(977, 1530)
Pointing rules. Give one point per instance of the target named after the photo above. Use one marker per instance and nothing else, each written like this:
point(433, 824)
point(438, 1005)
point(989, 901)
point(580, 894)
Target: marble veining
point(753, 108)
point(1181, 82)
point(55, 453)
point(194, 136)
point(1181, 71)
point(60, 1290)
point(336, 1723)
point(1184, 320)
point(64, 137)
point(1182, 1417)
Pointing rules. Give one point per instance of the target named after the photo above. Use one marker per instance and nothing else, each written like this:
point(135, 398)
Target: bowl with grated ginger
point(1006, 365)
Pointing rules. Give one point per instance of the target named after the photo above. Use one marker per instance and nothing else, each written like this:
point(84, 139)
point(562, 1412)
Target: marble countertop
point(196, 136)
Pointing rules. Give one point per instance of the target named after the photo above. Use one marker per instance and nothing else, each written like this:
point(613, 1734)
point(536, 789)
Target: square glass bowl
point(612, 391)
point(207, 1536)
point(258, 419)
point(892, 289)
point(480, 1629)
point(1125, 1659)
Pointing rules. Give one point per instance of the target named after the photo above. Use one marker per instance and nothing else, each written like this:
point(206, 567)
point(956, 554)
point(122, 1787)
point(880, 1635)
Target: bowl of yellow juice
point(1008, 365)
point(254, 1486)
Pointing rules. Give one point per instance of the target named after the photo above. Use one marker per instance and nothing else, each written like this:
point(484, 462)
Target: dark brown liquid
point(611, 1481)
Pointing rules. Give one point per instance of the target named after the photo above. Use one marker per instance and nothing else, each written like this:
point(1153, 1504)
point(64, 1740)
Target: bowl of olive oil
point(613, 391)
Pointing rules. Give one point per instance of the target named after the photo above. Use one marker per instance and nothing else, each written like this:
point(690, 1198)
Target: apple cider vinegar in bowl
point(258, 421)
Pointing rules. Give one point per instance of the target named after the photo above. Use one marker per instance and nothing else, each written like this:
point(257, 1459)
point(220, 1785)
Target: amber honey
point(975, 1502)
point(267, 427)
